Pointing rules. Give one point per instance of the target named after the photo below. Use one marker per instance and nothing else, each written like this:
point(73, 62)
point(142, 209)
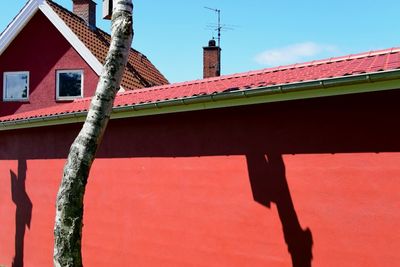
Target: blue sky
point(267, 33)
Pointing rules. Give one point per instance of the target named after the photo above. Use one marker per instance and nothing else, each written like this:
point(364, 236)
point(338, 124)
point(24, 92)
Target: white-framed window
point(16, 86)
point(69, 84)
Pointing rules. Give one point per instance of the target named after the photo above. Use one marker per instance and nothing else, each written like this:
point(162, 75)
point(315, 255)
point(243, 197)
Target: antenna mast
point(219, 27)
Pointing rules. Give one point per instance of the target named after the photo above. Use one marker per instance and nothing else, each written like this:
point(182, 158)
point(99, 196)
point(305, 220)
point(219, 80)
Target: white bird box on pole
point(107, 9)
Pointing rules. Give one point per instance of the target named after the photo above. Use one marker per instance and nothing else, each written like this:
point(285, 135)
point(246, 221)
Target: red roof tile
point(139, 73)
point(371, 62)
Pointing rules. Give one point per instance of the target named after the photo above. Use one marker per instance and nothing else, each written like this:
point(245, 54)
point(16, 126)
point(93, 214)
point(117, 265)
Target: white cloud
point(293, 53)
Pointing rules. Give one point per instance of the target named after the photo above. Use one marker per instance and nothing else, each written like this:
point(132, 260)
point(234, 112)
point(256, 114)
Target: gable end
point(18, 23)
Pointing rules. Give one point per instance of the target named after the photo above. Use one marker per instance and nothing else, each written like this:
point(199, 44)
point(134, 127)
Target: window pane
point(16, 86)
point(70, 84)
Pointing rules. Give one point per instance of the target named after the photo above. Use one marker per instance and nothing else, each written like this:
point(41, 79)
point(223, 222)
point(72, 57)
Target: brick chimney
point(211, 60)
point(86, 9)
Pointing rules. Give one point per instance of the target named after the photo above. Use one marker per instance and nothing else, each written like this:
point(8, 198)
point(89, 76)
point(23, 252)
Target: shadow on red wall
point(261, 133)
point(269, 184)
point(23, 213)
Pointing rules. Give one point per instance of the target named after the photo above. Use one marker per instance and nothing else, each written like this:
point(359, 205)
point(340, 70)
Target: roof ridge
point(321, 61)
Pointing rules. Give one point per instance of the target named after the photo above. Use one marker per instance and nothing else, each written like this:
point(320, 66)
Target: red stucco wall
point(228, 187)
point(41, 50)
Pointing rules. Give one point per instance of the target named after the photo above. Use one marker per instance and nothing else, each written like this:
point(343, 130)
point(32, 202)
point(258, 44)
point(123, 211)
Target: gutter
point(370, 82)
point(268, 90)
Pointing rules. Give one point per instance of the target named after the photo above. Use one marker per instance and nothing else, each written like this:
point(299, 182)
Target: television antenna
point(219, 26)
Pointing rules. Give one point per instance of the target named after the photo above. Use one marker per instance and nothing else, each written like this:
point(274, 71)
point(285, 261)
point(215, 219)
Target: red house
point(71, 51)
point(291, 166)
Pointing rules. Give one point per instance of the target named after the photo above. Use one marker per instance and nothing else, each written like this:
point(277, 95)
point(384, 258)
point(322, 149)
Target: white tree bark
point(69, 206)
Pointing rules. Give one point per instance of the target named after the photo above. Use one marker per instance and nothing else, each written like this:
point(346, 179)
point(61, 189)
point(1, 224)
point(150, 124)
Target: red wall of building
point(301, 183)
point(41, 49)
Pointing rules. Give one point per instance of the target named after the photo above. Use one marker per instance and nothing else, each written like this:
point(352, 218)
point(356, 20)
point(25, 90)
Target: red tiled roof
point(347, 66)
point(139, 73)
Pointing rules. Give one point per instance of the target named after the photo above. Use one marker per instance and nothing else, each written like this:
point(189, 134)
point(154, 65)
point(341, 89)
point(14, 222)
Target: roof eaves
point(72, 38)
point(285, 88)
point(376, 81)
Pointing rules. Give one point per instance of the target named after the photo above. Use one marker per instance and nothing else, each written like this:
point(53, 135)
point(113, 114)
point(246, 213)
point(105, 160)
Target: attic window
point(69, 84)
point(16, 86)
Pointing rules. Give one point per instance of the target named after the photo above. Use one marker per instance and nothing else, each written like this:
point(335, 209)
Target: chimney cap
point(212, 43)
point(92, 1)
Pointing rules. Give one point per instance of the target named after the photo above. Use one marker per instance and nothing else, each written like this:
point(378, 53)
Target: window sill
point(26, 101)
point(61, 100)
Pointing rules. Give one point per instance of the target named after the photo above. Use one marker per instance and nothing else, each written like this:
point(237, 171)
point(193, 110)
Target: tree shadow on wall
point(23, 214)
point(269, 184)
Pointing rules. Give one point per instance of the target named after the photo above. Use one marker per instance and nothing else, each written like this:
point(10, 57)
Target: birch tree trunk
point(69, 206)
